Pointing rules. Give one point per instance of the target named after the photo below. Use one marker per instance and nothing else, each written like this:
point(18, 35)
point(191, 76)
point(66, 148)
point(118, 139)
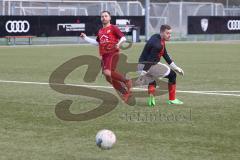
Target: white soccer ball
point(105, 139)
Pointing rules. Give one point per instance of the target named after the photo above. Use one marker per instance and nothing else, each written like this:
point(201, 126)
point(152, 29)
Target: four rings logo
point(17, 26)
point(233, 25)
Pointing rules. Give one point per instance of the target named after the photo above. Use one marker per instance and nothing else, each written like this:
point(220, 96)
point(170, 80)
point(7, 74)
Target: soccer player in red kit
point(109, 39)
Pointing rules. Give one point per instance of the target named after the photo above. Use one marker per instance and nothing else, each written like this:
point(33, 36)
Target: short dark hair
point(106, 12)
point(164, 27)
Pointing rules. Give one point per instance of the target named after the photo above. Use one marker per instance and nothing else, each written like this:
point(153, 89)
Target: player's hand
point(82, 35)
point(117, 46)
point(179, 71)
point(142, 78)
point(143, 73)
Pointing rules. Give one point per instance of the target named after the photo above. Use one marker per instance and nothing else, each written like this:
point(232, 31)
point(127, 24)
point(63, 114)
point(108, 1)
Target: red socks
point(118, 86)
point(151, 89)
point(172, 91)
point(118, 77)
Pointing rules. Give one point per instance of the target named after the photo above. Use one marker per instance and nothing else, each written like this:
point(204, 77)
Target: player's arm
point(120, 35)
point(171, 63)
point(166, 57)
point(121, 41)
point(89, 40)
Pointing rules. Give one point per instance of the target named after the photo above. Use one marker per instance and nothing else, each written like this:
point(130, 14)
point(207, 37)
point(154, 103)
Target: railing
point(65, 7)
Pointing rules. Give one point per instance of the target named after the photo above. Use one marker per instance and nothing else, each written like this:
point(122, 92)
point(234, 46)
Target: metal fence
point(176, 13)
point(66, 7)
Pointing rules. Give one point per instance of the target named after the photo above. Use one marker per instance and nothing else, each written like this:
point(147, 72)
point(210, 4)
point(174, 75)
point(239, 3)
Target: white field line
point(222, 93)
point(210, 93)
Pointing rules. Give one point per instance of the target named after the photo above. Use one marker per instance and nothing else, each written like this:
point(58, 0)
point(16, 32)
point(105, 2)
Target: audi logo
point(17, 26)
point(233, 24)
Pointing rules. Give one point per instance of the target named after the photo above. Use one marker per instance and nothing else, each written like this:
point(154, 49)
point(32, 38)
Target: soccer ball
point(105, 139)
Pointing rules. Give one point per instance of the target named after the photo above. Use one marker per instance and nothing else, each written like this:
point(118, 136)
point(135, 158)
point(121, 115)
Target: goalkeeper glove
point(143, 73)
point(177, 69)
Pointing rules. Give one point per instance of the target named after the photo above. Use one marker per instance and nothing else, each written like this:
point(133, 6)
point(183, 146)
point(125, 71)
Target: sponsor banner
point(46, 26)
point(213, 24)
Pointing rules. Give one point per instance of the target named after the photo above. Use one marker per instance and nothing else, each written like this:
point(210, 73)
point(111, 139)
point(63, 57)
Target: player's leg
point(116, 75)
point(172, 88)
point(156, 71)
point(124, 85)
point(147, 80)
point(110, 65)
point(117, 80)
point(109, 79)
point(117, 85)
point(151, 92)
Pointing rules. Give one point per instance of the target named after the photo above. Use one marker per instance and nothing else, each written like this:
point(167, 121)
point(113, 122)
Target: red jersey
point(162, 51)
point(107, 38)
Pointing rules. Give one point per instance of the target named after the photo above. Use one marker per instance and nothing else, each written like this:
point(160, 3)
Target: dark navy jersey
point(153, 50)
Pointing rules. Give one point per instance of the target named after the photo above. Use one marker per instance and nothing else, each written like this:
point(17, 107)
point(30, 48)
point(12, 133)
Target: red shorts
point(109, 61)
